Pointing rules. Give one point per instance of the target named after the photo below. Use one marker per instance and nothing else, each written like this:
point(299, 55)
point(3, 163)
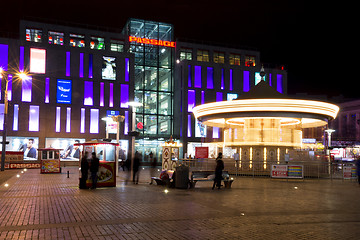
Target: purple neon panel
point(210, 78)
point(21, 59)
point(124, 96)
point(216, 132)
point(47, 90)
point(88, 93)
point(279, 83)
point(197, 82)
point(94, 120)
point(81, 66)
point(231, 80)
point(57, 119)
point(270, 79)
point(16, 118)
point(90, 66)
point(127, 69)
point(68, 64)
point(202, 97)
point(246, 79)
point(102, 94)
point(111, 95)
point(82, 120)
point(34, 119)
point(219, 96)
point(191, 100)
point(68, 119)
point(2, 109)
point(10, 87)
point(26, 89)
point(189, 126)
point(189, 76)
point(126, 123)
point(222, 80)
point(4, 55)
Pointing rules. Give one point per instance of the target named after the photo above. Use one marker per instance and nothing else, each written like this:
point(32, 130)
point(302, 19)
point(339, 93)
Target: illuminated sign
point(37, 60)
point(63, 94)
point(152, 41)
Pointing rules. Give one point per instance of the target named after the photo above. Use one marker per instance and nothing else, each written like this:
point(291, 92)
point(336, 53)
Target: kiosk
point(107, 154)
point(50, 160)
point(170, 154)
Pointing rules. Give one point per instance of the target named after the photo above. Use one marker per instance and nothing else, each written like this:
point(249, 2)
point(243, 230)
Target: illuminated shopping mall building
point(76, 76)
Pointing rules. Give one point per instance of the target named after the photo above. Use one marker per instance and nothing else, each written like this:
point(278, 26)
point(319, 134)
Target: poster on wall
point(201, 152)
point(109, 68)
point(69, 150)
point(63, 91)
point(27, 145)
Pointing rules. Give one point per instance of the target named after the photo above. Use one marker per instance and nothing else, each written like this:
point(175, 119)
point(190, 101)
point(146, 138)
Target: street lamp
point(329, 132)
point(3, 74)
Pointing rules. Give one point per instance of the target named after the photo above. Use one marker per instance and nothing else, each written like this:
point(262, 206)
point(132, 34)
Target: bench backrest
point(205, 174)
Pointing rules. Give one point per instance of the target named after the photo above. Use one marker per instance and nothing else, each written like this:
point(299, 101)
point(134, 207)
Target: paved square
point(50, 206)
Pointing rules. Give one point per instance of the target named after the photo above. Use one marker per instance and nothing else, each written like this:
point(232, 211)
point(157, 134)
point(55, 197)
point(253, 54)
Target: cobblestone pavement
point(39, 206)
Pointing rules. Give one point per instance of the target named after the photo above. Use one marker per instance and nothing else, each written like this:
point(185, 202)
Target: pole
point(3, 151)
point(132, 140)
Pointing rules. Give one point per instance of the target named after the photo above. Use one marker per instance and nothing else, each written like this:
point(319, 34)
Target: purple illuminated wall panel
point(111, 95)
point(88, 93)
point(47, 90)
point(222, 79)
point(127, 70)
point(124, 95)
point(102, 94)
point(16, 118)
point(191, 100)
point(219, 96)
point(34, 118)
point(10, 87)
point(216, 132)
point(81, 65)
point(90, 66)
point(126, 123)
point(4, 55)
point(231, 80)
point(279, 83)
point(197, 80)
point(57, 119)
point(26, 89)
point(246, 79)
point(82, 120)
point(2, 116)
point(202, 97)
point(94, 120)
point(68, 119)
point(210, 78)
point(21, 59)
point(270, 79)
point(189, 76)
point(189, 126)
point(68, 64)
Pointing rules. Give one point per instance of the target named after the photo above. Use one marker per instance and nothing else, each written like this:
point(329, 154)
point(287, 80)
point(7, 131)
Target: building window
point(185, 54)
point(57, 119)
point(26, 89)
point(81, 65)
point(21, 58)
point(82, 120)
point(37, 60)
point(231, 80)
point(191, 100)
point(250, 61)
point(116, 45)
point(219, 57)
point(56, 38)
point(94, 120)
point(111, 95)
point(189, 126)
point(246, 81)
point(68, 119)
point(77, 40)
point(67, 63)
point(127, 70)
point(97, 43)
point(33, 35)
point(16, 118)
point(4, 56)
point(90, 66)
point(88, 93)
point(102, 94)
point(124, 95)
point(34, 119)
point(47, 90)
point(279, 83)
point(234, 59)
point(197, 80)
point(210, 78)
point(202, 56)
point(126, 123)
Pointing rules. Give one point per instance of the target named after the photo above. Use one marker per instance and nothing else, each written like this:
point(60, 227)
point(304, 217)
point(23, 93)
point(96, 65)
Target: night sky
point(316, 42)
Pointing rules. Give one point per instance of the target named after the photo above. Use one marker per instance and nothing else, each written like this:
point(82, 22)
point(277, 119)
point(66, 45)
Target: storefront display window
point(97, 43)
point(33, 35)
point(28, 145)
point(56, 38)
point(69, 152)
point(77, 40)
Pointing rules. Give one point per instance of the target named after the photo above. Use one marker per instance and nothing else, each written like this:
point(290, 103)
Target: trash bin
point(182, 177)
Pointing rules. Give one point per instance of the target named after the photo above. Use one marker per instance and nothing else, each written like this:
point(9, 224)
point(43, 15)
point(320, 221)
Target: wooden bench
point(204, 176)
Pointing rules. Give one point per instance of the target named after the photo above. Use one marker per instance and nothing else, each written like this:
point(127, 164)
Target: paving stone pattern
point(50, 206)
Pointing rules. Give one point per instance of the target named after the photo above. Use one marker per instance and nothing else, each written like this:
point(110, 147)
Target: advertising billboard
point(63, 91)
point(37, 60)
point(108, 71)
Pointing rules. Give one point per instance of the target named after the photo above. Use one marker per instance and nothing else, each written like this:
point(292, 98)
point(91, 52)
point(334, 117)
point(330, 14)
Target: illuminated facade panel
point(37, 60)
point(34, 118)
point(4, 49)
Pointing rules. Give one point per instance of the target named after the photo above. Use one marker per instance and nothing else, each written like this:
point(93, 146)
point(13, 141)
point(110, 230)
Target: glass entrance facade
point(153, 83)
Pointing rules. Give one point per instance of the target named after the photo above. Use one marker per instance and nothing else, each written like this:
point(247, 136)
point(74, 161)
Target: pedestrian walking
point(94, 168)
point(84, 171)
point(218, 171)
point(136, 166)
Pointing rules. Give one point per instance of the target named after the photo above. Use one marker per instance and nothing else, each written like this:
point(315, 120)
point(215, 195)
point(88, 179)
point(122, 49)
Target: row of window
point(218, 57)
point(75, 40)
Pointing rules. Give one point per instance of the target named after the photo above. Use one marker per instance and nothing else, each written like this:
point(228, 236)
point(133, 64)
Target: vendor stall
point(50, 160)
point(107, 154)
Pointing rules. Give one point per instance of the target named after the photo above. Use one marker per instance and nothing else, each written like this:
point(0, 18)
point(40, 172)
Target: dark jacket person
point(94, 168)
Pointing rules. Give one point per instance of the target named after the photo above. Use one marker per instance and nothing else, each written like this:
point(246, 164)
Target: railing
point(311, 169)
